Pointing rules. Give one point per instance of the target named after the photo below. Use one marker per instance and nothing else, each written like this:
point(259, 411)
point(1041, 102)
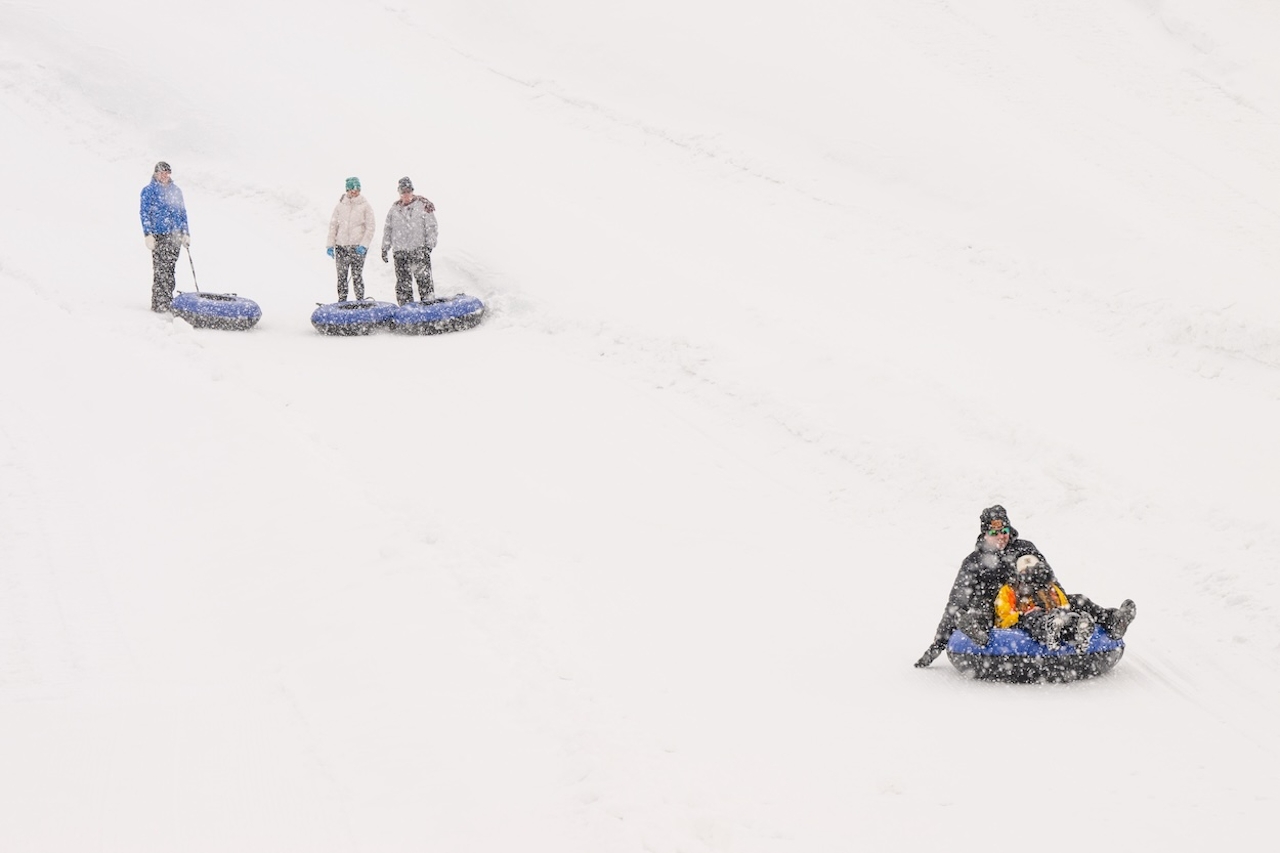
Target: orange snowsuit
point(1010, 605)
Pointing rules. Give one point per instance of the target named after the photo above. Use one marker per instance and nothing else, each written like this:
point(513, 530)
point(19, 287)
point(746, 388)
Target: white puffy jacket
point(352, 223)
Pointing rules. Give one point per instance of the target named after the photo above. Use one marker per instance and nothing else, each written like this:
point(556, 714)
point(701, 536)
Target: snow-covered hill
point(780, 298)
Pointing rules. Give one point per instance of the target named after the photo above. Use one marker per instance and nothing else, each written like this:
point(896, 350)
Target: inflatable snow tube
point(436, 316)
point(1010, 655)
point(217, 310)
point(359, 317)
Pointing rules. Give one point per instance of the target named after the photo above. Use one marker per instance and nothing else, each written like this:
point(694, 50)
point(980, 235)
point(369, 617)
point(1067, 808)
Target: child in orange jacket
point(1034, 602)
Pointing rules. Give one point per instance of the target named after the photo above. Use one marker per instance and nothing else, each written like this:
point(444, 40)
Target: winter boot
point(1120, 619)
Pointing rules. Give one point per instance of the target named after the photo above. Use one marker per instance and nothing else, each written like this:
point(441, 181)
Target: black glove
point(384, 258)
point(930, 655)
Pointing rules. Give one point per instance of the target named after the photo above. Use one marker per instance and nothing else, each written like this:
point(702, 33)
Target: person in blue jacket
point(164, 228)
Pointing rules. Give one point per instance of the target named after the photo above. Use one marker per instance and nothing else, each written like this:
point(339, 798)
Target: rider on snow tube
point(990, 592)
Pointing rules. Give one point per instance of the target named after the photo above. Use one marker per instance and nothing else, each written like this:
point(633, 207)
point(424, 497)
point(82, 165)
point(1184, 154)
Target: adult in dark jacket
point(165, 231)
point(971, 605)
point(993, 563)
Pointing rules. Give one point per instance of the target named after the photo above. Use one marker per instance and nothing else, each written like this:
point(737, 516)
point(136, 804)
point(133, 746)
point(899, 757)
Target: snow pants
point(164, 260)
point(411, 265)
point(1051, 627)
point(1104, 616)
point(346, 258)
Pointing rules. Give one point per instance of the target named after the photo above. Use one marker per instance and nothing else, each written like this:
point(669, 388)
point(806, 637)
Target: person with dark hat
point(1034, 602)
point(350, 236)
point(164, 228)
point(410, 234)
point(971, 606)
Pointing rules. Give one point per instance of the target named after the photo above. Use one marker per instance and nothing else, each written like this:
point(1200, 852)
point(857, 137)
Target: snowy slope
point(780, 298)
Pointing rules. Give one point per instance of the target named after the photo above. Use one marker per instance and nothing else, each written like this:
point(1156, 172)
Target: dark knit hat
point(405, 185)
point(994, 518)
point(353, 184)
point(162, 166)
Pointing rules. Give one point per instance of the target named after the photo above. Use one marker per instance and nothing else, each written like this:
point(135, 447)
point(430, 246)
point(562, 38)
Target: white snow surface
point(780, 297)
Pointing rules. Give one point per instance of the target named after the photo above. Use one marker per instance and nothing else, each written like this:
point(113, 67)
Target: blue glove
point(360, 250)
point(329, 251)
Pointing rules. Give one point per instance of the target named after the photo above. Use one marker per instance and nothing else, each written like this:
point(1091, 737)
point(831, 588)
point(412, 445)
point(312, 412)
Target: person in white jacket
point(350, 236)
point(410, 233)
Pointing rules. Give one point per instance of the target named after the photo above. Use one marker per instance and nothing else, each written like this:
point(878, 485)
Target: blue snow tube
point(217, 310)
point(1011, 655)
point(359, 317)
point(436, 316)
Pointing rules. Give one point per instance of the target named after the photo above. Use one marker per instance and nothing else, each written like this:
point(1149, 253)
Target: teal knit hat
point(353, 184)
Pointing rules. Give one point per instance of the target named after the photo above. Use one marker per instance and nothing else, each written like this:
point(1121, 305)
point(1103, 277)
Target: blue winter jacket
point(163, 210)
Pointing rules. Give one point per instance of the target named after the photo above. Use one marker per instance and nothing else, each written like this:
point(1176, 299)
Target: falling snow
point(778, 299)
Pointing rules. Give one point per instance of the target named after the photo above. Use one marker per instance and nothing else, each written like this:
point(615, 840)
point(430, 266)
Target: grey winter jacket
point(410, 226)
